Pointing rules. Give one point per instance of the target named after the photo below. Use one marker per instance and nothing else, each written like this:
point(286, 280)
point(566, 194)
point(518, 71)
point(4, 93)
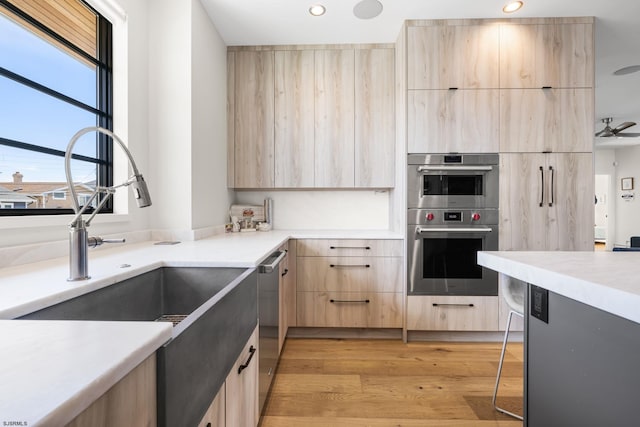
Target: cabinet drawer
point(349, 309)
point(452, 313)
point(350, 274)
point(349, 247)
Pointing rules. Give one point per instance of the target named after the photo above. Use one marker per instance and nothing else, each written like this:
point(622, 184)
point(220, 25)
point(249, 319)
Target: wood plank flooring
point(336, 382)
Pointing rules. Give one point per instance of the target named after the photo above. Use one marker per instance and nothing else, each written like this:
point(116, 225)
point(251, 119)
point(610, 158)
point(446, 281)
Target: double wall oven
point(453, 214)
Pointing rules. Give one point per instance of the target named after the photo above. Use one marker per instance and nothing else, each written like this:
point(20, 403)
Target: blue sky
point(29, 116)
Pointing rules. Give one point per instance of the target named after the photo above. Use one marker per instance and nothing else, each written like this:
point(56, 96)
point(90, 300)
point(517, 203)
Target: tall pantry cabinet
point(523, 88)
point(546, 134)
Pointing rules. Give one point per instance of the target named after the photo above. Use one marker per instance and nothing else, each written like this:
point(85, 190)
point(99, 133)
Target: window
point(55, 79)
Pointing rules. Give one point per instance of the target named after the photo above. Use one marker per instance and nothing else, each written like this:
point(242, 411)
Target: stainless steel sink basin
point(217, 312)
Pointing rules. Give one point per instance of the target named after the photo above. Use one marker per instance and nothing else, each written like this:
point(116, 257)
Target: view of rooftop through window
point(50, 71)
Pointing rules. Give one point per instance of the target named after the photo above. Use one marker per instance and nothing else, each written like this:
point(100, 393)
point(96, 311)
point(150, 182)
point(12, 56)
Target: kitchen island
point(582, 335)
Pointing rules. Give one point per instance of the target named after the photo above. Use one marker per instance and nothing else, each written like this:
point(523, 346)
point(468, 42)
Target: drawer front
point(349, 309)
point(446, 313)
point(349, 247)
point(350, 274)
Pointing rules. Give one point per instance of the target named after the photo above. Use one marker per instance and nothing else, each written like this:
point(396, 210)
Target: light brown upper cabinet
point(374, 117)
point(444, 121)
point(544, 120)
point(294, 118)
point(446, 55)
point(320, 117)
point(254, 119)
point(558, 55)
point(334, 118)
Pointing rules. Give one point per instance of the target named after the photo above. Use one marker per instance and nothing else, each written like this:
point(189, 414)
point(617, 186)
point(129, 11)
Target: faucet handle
point(97, 241)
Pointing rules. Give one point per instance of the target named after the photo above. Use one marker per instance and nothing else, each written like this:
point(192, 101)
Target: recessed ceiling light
point(317, 10)
point(367, 9)
point(627, 70)
point(512, 6)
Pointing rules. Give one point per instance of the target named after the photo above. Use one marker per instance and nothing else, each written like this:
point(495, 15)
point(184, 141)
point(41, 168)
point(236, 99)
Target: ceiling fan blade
point(627, 135)
point(623, 126)
point(605, 132)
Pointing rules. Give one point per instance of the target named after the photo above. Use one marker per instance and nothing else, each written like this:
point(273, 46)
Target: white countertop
point(609, 281)
point(52, 370)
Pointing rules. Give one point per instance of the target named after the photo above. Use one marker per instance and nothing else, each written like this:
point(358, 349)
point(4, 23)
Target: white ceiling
point(272, 22)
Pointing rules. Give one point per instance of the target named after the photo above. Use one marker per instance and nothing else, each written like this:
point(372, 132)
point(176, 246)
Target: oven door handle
point(421, 230)
point(455, 168)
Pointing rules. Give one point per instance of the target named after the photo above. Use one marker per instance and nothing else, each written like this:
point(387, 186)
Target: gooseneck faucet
point(79, 240)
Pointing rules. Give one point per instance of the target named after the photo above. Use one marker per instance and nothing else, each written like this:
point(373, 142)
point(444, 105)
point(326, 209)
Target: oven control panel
point(452, 217)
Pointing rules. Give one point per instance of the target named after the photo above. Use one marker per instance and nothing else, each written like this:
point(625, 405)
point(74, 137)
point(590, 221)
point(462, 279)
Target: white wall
point(627, 213)
point(328, 210)
point(170, 113)
point(211, 198)
point(187, 118)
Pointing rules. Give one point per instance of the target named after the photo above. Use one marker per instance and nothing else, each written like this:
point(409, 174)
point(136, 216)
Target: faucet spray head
point(140, 191)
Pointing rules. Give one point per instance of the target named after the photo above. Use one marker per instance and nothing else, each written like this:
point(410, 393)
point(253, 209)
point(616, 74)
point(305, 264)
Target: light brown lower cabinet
point(546, 201)
point(236, 404)
point(349, 283)
point(452, 313)
point(350, 309)
point(130, 402)
point(216, 414)
point(241, 387)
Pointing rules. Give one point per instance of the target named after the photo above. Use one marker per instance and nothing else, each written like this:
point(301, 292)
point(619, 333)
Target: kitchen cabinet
point(546, 201)
point(448, 55)
point(452, 99)
point(311, 117)
point(334, 118)
point(452, 313)
point(445, 121)
point(539, 120)
point(254, 119)
point(294, 118)
point(215, 415)
point(130, 402)
point(287, 292)
point(236, 403)
point(241, 387)
point(551, 53)
point(359, 285)
point(374, 117)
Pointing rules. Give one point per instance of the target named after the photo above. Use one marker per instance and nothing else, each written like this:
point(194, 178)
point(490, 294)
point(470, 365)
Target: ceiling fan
point(608, 131)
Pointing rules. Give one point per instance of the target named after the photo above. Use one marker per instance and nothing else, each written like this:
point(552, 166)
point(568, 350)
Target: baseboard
point(352, 333)
point(468, 336)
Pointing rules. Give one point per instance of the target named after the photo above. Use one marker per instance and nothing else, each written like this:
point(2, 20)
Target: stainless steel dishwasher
point(268, 319)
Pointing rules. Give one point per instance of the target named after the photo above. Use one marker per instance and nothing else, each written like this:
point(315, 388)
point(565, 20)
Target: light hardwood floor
point(325, 382)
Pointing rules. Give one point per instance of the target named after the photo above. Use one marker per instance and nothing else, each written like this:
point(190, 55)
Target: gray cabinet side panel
point(581, 367)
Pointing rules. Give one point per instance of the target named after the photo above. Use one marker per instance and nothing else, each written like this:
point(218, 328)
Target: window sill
point(13, 222)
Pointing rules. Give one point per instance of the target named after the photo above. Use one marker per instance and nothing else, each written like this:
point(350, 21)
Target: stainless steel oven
point(452, 180)
point(442, 251)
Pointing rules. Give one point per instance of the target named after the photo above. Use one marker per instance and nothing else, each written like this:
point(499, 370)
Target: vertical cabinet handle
point(252, 351)
point(541, 186)
point(284, 273)
point(552, 189)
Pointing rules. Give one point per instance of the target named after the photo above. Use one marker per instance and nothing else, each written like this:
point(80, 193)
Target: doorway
point(602, 230)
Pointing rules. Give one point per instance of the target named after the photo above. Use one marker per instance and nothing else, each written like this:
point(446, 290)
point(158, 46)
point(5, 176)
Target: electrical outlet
point(540, 303)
